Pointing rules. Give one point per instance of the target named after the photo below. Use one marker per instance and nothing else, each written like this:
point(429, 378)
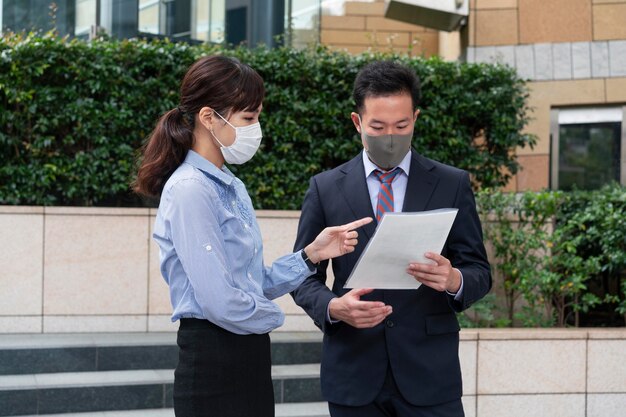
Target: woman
point(210, 243)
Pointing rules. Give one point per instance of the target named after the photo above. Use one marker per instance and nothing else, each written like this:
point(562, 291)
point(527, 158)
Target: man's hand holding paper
point(440, 276)
point(404, 253)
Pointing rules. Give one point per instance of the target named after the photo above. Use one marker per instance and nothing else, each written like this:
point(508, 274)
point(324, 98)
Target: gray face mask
point(386, 151)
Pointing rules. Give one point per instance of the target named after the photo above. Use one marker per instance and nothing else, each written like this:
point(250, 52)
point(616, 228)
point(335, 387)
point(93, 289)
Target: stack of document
point(400, 239)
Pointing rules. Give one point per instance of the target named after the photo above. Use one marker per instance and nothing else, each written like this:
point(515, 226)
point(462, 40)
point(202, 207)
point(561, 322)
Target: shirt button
point(255, 250)
point(389, 323)
point(234, 203)
point(208, 247)
point(249, 275)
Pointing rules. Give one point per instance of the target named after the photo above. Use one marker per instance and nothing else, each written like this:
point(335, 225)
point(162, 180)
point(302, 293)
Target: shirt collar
point(224, 175)
point(404, 165)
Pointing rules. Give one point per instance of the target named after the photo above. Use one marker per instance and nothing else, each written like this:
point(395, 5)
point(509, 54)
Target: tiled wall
point(522, 372)
point(96, 270)
point(557, 61)
point(363, 27)
point(69, 269)
point(512, 22)
point(573, 52)
point(545, 95)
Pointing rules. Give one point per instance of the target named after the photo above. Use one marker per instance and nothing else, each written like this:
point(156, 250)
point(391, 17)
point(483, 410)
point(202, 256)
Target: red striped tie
point(385, 195)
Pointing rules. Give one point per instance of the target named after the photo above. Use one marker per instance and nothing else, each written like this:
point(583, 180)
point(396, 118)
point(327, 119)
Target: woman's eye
point(249, 119)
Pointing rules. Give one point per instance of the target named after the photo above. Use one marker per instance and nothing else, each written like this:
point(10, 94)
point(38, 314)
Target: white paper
point(400, 238)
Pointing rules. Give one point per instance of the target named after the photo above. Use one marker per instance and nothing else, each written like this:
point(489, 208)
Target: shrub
point(560, 256)
point(73, 115)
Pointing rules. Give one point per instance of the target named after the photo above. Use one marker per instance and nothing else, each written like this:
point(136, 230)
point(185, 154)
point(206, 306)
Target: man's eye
point(403, 127)
point(249, 119)
point(377, 128)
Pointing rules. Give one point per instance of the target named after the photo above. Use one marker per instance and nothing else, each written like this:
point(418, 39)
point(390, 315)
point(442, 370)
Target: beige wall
point(96, 270)
point(498, 32)
point(363, 27)
point(546, 95)
point(543, 372)
point(506, 22)
point(70, 269)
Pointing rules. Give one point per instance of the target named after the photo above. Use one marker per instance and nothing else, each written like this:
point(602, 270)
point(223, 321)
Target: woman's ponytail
point(164, 151)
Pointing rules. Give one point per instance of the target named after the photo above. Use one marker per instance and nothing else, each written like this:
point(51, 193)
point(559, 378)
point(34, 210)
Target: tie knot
point(386, 177)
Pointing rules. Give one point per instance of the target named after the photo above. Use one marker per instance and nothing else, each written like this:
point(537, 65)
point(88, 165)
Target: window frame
point(554, 139)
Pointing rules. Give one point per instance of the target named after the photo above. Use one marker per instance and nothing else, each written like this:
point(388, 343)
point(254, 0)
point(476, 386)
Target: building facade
point(572, 52)
point(232, 21)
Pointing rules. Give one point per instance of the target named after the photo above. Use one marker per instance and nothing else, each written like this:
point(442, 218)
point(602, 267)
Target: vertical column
point(267, 21)
point(623, 149)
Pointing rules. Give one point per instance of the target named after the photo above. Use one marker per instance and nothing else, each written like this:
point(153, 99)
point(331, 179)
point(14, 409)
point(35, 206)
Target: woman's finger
point(357, 223)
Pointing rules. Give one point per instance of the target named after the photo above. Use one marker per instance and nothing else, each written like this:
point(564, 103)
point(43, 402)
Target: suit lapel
point(421, 184)
point(353, 187)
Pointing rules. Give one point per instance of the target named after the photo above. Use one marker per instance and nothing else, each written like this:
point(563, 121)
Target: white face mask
point(247, 142)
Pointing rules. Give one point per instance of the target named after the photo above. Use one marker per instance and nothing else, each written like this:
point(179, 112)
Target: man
point(392, 352)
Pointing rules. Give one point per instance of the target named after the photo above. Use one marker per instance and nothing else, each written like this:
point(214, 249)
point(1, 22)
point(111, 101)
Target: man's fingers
point(360, 291)
point(425, 268)
point(371, 311)
point(371, 322)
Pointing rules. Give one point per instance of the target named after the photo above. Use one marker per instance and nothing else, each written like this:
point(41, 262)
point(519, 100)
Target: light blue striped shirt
point(211, 252)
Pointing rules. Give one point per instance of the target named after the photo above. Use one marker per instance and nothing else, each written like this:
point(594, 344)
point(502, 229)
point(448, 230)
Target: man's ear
point(355, 119)
point(416, 114)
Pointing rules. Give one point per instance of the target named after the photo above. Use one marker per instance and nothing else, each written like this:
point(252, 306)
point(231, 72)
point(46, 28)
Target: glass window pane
point(303, 23)
point(200, 22)
point(589, 155)
point(85, 16)
point(207, 17)
point(217, 24)
point(149, 16)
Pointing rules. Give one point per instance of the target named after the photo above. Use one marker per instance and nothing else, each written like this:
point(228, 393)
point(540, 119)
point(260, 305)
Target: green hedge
point(74, 114)
point(560, 258)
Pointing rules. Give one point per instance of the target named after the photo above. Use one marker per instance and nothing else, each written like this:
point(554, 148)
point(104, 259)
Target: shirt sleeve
point(199, 244)
point(285, 275)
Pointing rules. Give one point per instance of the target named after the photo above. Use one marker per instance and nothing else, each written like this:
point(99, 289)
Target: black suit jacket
point(420, 339)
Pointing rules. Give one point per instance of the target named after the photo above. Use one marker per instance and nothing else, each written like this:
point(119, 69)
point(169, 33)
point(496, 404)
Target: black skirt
point(222, 374)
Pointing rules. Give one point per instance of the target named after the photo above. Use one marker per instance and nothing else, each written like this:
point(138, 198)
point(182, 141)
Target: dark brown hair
point(222, 83)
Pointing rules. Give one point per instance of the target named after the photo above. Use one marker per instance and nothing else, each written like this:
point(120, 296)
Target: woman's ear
point(206, 118)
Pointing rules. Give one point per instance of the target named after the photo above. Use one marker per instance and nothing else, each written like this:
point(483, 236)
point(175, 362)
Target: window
point(149, 16)
point(302, 22)
point(86, 16)
point(198, 20)
point(207, 20)
point(588, 147)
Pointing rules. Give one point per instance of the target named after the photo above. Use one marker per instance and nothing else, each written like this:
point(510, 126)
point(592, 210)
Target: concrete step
point(76, 392)
point(49, 353)
point(317, 409)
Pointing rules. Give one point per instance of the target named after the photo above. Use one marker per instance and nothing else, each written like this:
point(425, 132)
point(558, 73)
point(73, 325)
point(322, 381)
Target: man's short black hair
point(385, 78)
